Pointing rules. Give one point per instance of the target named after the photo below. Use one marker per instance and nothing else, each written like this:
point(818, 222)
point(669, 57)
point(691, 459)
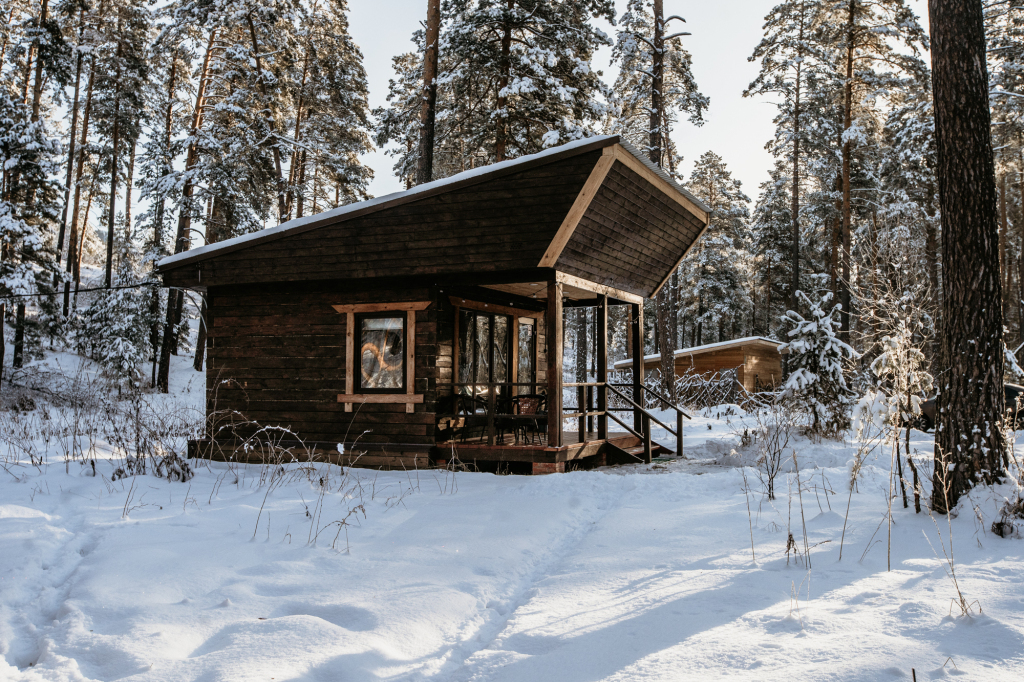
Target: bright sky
point(725, 32)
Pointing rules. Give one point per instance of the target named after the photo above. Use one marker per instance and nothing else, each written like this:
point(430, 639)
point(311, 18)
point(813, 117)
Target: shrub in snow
point(816, 384)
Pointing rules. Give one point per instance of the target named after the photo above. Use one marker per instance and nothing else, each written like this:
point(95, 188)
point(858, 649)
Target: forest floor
point(641, 572)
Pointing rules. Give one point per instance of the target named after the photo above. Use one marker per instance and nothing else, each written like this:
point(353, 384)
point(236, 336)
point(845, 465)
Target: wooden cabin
point(756, 359)
point(427, 325)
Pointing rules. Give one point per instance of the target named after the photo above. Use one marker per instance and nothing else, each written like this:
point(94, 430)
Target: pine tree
point(716, 293)
point(28, 207)
point(968, 446)
point(816, 383)
point(637, 56)
point(792, 63)
point(772, 233)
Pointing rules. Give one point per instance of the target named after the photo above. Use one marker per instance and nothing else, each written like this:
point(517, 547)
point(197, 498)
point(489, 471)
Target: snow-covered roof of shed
point(707, 348)
point(305, 223)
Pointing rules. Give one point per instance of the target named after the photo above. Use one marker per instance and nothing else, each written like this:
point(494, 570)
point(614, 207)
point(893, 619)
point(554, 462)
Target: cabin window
point(527, 349)
point(381, 359)
point(485, 341)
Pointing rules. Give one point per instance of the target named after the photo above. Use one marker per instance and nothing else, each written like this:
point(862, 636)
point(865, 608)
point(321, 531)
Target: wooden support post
point(350, 358)
point(581, 409)
point(679, 434)
point(601, 323)
point(553, 323)
point(590, 408)
point(647, 437)
point(492, 404)
point(636, 321)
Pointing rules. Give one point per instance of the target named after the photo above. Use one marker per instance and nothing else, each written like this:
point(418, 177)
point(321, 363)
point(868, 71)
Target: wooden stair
point(632, 451)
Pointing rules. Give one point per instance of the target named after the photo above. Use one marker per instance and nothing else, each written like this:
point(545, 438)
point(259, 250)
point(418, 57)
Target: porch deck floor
point(536, 441)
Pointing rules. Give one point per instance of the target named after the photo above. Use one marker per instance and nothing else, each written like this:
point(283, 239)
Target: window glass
point(501, 347)
point(483, 349)
point(526, 340)
point(467, 332)
point(382, 353)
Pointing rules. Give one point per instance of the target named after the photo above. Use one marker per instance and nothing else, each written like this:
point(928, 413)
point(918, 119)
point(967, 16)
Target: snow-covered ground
point(629, 573)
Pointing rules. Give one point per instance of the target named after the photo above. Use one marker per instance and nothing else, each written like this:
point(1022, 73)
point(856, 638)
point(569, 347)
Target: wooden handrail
point(643, 410)
point(664, 400)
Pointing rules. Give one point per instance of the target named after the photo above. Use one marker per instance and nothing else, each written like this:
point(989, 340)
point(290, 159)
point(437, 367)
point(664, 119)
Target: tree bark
point(71, 150)
point(844, 280)
point(501, 134)
point(657, 84)
point(968, 447)
point(282, 190)
point(795, 201)
point(175, 298)
point(73, 237)
point(37, 88)
point(428, 110)
point(115, 138)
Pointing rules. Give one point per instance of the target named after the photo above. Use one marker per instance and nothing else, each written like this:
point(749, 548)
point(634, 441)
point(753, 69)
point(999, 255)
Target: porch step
point(633, 454)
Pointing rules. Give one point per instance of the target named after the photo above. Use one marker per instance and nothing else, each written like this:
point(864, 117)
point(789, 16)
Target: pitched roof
point(595, 209)
point(762, 341)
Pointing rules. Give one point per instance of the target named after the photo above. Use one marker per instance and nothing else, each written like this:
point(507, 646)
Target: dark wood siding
point(631, 236)
point(502, 224)
point(277, 357)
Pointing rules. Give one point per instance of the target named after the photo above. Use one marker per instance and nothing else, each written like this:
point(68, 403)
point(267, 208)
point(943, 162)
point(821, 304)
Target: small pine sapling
point(817, 384)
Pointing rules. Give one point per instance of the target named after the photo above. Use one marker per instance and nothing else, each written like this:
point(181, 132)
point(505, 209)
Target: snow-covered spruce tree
point(715, 278)
point(772, 233)
point(115, 326)
point(524, 66)
point(635, 54)
point(28, 209)
point(816, 383)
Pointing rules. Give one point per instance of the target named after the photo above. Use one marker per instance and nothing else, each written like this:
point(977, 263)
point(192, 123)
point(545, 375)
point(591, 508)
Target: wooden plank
point(681, 258)
point(650, 176)
point(579, 207)
point(410, 358)
point(366, 208)
point(381, 307)
point(350, 364)
point(594, 287)
point(388, 398)
point(636, 321)
point(460, 302)
point(601, 323)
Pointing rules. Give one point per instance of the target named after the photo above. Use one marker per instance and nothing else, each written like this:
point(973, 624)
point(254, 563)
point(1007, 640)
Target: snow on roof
point(706, 348)
point(426, 188)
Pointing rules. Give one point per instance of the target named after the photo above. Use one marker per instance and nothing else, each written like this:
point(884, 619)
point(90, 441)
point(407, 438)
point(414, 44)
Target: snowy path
point(585, 576)
point(633, 573)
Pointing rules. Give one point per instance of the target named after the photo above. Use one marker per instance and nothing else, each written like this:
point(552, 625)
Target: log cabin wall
point(277, 356)
point(762, 369)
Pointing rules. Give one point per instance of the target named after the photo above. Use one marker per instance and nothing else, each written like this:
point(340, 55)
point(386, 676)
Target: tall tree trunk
point(71, 149)
point(657, 83)
point(175, 298)
point(115, 139)
point(428, 110)
point(73, 237)
point(37, 89)
point(794, 208)
point(968, 448)
point(282, 189)
point(844, 283)
point(18, 359)
point(501, 103)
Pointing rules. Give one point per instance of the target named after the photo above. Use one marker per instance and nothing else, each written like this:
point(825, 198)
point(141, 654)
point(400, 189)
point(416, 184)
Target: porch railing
point(592, 404)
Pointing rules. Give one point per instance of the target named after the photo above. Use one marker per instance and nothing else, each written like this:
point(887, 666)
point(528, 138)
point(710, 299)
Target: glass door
point(484, 345)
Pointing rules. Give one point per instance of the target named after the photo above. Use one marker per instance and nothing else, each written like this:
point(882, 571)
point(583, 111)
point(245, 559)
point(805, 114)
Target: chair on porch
point(533, 420)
